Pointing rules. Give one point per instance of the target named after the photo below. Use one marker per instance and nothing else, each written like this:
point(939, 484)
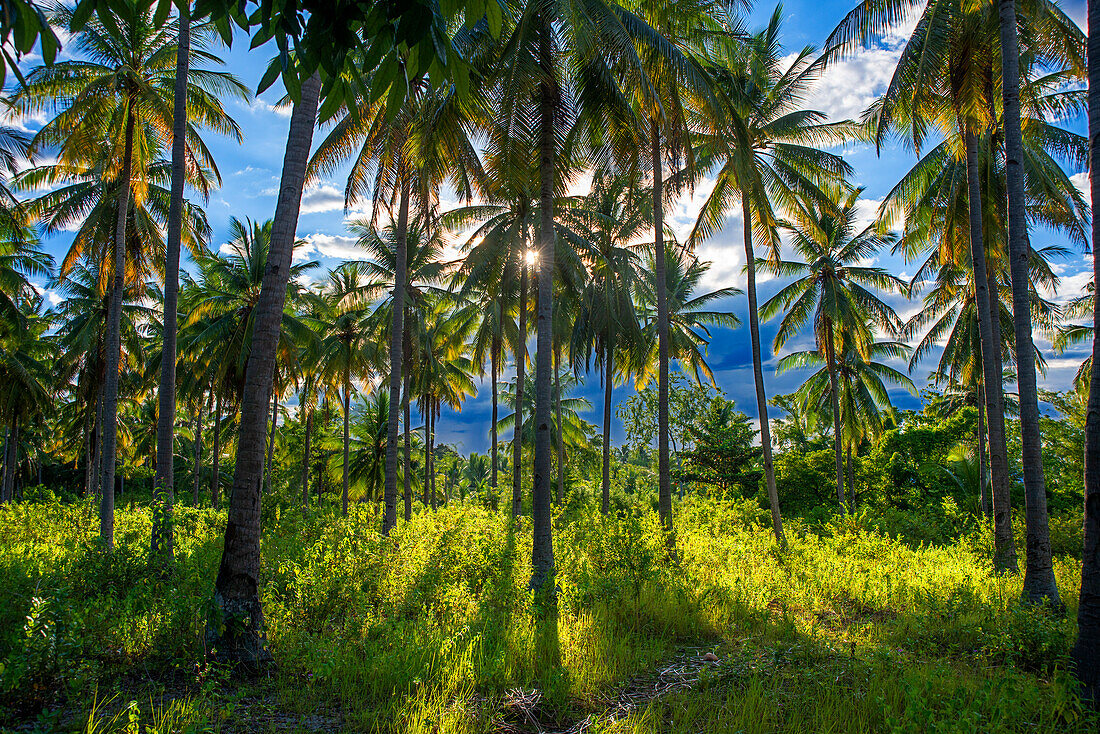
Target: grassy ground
point(432, 629)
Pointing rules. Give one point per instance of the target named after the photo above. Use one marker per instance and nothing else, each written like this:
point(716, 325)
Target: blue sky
point(251, 172)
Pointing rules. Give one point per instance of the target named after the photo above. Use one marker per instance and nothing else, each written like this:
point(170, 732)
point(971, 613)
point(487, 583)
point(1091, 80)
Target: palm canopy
point(575, 430)
point(832, 286)
point(128, 68)
point(766, 146)
point(222, 316)
point(691, 315)
point(863, 380)
point(21, 258)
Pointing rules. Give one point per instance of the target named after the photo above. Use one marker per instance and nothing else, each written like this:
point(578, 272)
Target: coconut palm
point(862, 376)
point(690, 316)
point(767, 154)
point(111, 113)
point(832, 289)
point(348, 349)
point(236, 589)
point(613, 215)
point(27, 385)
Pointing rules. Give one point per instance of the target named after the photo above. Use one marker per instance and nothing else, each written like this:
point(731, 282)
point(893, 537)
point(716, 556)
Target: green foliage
point(858, 626)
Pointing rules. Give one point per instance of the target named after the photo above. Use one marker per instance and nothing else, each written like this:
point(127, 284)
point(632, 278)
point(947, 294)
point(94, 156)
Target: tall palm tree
point(347, 350)
point(559, 63)
point(111, 110)
point(673, 82)
point(238, 635)
point(767, 151)
point(862, 378)
point(606, 322)
point(197, 89)
point(1086, 649)
point(27, 391)
point(832, 289)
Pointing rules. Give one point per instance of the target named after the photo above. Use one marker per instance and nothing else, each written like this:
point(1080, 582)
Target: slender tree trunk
point(1086, 651)
point(89, 453)
point(271, 437)
point(426, 412)
point(408, 431)
point(542, 546)
point(1039, 582)
point(238, 635)
point(561, 434)
point(97, 456)
point(983, 486)
point(196, 469)
point(521, 366)
point(494, 369)
point(347, 437)
point(664, 482)
point(1005, 555)
point(216, 460)
point(830, 359)
point(431, 455)
point(397, 329)
point(113, 341)
point(608, 387)
point(11, 460)
point(163, 485)
point(306, 457)
point(758, 375)
point(851, 481)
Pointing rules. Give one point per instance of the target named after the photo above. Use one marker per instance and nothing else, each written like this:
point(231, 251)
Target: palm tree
point(569, 430)
point(766, 151)
point(1086, 649)
point(673, 82)
point(606, 322)
point(21, 258)
point(549, 54)
point(185, 92)
point(690, 313)
point(861, 378)
point(832, 289)
point(347, 350)
point(365, 464)
point(239, 636)
point(24, 356)
point(111, 110)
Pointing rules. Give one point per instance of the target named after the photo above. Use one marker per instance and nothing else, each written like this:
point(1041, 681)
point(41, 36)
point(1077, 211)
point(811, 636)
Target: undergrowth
point(857, 626)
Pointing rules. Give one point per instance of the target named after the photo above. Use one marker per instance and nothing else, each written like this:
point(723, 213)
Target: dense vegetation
point(840, 566)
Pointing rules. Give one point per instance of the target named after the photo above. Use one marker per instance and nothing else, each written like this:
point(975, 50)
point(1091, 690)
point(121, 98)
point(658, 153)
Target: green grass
point(433, 629)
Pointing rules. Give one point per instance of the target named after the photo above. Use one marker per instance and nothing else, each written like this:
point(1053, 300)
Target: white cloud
point(322, 198)
point(341, 247)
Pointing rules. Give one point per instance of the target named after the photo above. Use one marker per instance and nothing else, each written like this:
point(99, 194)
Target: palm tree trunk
point(97, 456)
point(830, 359)
point(430, 463)
point(851, 481)
point(1039, 582)
point(197, 462)
point(664, 485)
point(408, 429)
point(113, 341)
point(983, 487)
point(494, 368)
point(163, 485)
point(561, 435)
point(11, 459)
point(306, 457)
point(397, 327)
point(89, 469)
point(1086, 650)
point(608, 387)
point(542, 546)
point(1005, 549)
point(758, 375)
point(239, 633)
point(271, 437)
point(426, 412)
point(216, 460)
point(347, 438)
point(521, 367)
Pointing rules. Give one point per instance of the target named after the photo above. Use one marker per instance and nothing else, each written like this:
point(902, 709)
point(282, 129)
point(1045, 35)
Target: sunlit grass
point(433, 629)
